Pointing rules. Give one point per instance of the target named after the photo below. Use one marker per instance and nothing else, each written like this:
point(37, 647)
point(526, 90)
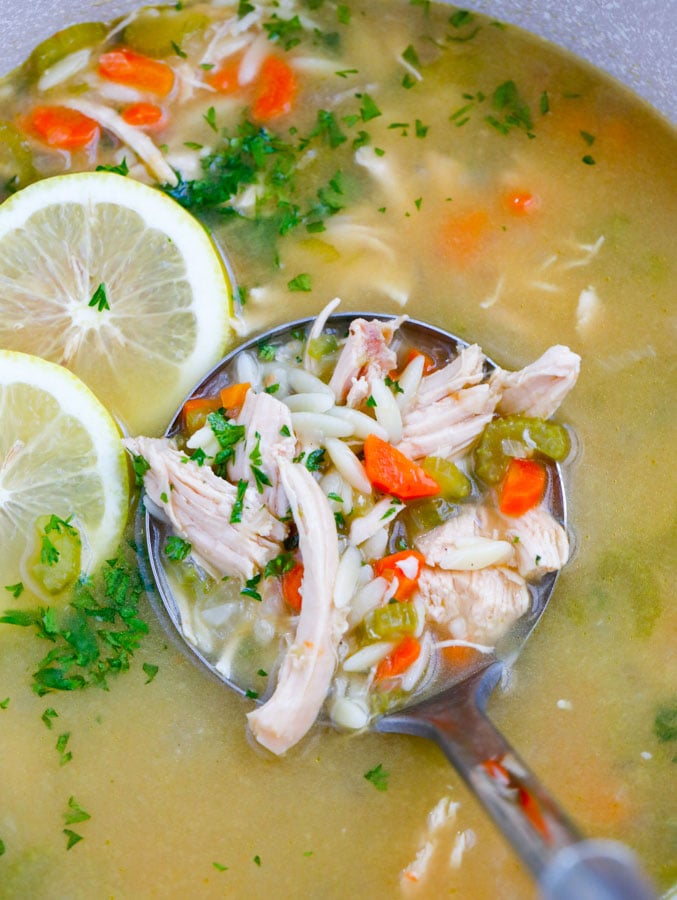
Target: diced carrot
point(232, 397)
point(429, 364)
point(521, 203)
point(124, 66)
point(398, 661)
point(463, 236)
point(291, 587)
point(143, 114)
point(195, 411)
point(532, 811)
point(388, 568)
point(225, 79)
point(275, 91)
point(392, 472)
point(62, 127)
point(523, 486)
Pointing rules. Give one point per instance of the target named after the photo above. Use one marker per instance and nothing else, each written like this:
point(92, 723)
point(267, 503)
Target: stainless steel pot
point(633, 40)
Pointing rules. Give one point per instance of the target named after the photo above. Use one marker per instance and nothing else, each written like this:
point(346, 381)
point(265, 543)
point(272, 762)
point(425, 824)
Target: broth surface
point(434, 226)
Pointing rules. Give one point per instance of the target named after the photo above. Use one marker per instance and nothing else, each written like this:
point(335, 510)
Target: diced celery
point(161, 32)
point(420, 517)
point(390, 621)
point(16, 159)
point(548, 438)
point(63, 43)
point(454, 484)
point(322, 346)
point(59, 552)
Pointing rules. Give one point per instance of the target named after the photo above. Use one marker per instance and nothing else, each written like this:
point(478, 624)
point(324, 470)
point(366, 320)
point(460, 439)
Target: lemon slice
point(116, 281)
point(61, 455)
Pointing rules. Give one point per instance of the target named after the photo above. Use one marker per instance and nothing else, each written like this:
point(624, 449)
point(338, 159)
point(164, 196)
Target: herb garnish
point(515, 113)
point(140, 466)
point(219, 866)
point(378, 777)
point(121, 169)
point(238, 505)
point(285, 562)
point(151, 671)
point(16, 590)
point(4, 703)
point(302, 282)
point(48, 715)
point(93, 638)
point(249, 589)
point(176, 548)
point(61, 744)
point(315, 460)
point(99, 298)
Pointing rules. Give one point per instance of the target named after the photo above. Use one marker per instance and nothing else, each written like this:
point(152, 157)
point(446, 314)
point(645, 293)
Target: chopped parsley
point(302, 282)
point(368, 110)
point(378, 777)
point(73, 838)
point(395, 385)
point(250, 588)
point(252, 695)
point(227, 435)
point(219, 866)
point(370, 402)
point(99, 298)
point(284, 431)
point(140, 466)
point(588, 160)
point(151, 671)
point(210, 118)
point(335, 497)
point(421, 129)
point(4, 703)
point(65, 756)
point(257, 860)
point(238, 505)
point(285, 562)
point(176, 548)
point(121, 169)
point(512, 110)
point(16, 590)
point(315, 460)
point(48, 715)
point(266, 352)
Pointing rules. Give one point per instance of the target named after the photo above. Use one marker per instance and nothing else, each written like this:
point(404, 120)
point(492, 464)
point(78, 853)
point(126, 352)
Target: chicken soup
point(412, 159)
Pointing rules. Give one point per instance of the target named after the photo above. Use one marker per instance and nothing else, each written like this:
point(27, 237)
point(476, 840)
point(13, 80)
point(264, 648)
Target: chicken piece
point(199, 504)
point(539, 542)
point(449, 426)
point(478, 606)
point(539, 388)
point(365, 353)
point(464, 371)
point(465, 542)
point(308, 667)
point(268, 425)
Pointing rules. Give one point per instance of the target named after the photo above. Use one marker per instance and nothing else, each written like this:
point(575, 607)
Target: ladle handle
point(566, 866)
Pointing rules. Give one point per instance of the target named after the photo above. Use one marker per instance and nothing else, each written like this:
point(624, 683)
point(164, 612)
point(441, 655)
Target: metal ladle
point(566, 865)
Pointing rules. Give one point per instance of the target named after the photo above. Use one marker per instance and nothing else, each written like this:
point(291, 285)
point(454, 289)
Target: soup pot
point(633, 41)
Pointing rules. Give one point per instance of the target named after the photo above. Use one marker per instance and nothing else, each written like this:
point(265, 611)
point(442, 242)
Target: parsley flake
point(48, 715)
point(176, 548)
point(302, 282)
point(378, 777)
point(315, 460)
point(238, 506)
point(219, 866)
point(4, 703)
point(16, 590)
point(99, 298)
point(150, 670)
point(249, 590)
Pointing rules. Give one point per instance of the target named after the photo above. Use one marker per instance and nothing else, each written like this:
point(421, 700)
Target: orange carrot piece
point(124, 66)
point(459, 656)
point(143, 114)
point(392, 472)
point(463, 236)
point(62, 127)
point(195, 411)
point(388, 568)
point(226, 78)
point(523, 486)
point(232, 397)
point(396, 663)
point(521, 203)
point(291, 587)
point(429, 364)
point(275, 91)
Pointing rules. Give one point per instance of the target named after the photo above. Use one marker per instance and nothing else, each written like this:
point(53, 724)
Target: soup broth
point(411, 158)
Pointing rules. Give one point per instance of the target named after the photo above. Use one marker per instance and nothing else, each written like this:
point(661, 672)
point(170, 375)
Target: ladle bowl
point(450, 710)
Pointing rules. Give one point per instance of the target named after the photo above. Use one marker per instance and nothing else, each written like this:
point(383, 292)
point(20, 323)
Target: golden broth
point(165, 769)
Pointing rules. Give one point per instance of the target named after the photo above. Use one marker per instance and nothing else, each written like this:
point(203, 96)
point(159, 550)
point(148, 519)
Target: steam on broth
point(409, 158)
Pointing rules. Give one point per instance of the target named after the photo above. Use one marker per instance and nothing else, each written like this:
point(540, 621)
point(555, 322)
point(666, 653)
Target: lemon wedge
point(116, 281)
point(60, 455)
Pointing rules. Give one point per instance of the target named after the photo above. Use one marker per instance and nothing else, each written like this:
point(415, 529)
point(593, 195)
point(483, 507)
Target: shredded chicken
point(135, 139)
point(465, 370)
point(539, 388)
point(366, 354)
point(199, 505)
point(307, 669)
point(449, 426)
point(476, 606)
point(465, 542)
point(268, 427)
point(540, 543)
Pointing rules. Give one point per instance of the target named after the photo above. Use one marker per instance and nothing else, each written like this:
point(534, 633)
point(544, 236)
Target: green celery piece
point(548, 438)
point(390, 621)
point(454, 484)
point(160, 32)
point(63, 43)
